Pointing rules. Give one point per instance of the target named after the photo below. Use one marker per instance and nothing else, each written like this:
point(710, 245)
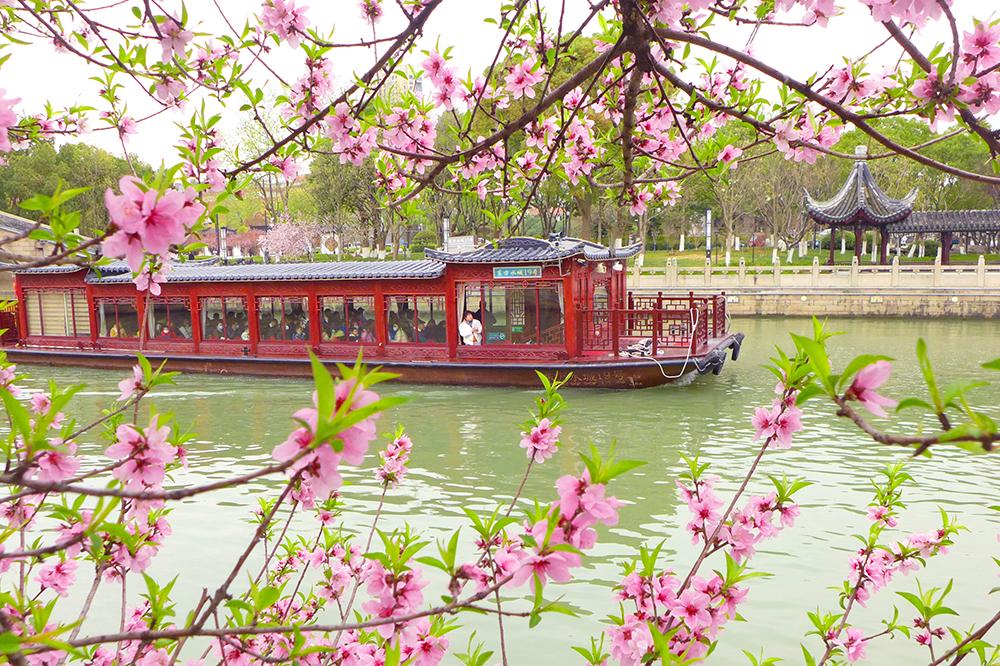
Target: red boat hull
point(616, 373)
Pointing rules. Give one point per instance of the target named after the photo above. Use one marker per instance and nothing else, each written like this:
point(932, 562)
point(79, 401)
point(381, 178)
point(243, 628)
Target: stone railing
point(853, 276)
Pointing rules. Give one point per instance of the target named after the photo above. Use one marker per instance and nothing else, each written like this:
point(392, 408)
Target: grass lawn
point(762, 257)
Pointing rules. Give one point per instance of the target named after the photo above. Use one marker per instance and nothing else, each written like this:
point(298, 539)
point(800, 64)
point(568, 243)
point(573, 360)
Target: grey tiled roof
point(933, 221)
point(521, 249)
point(860, 201)
point(15, 223)
point(325, 270)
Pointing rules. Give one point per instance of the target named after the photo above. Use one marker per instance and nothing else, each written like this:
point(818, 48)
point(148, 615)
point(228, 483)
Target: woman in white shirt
point(471, 329)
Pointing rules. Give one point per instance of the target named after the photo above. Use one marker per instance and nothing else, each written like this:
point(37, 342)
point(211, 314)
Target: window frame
point(534, 285)
point(304, 298)
point(116, 301)
point(371, 307)
point(411, 300)
point(183, 301)
point(69, 296)
point(224, 299)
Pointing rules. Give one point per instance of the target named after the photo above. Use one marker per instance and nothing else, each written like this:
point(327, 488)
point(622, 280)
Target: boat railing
point(8, 322)
point(671, 322)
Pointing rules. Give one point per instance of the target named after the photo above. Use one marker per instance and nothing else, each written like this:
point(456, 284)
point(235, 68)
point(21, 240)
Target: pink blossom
point(130, 385)
point(144, 453)
point(287, 165)
point(284, 19)
point(777, 424)
point(58, 577)
point(730, 154)
point(151, 278)
point(863, 388)
point(854, 644)
point(692, 607)
point(982, 45)
point(7, 120)
point(40, 403)
point(160, 220)
point(319, 466)
point(542, 441)
point(174, 40)
point(521, 79)
point(58, 465)
point(554, 565)
point(881, 514)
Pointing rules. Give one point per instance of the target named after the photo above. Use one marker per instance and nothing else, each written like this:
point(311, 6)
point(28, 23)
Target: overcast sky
point(39, 73)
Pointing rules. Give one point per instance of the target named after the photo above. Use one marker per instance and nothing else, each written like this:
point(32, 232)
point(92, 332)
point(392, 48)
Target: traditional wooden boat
point(558, 306)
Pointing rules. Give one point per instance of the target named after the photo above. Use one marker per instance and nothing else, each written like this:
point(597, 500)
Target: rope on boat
point(694, 324)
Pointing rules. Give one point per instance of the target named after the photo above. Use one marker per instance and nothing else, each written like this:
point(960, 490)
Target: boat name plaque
point(516, 272)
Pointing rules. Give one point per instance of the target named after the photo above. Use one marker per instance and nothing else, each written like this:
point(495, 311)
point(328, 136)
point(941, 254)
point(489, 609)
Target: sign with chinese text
point(516, 272)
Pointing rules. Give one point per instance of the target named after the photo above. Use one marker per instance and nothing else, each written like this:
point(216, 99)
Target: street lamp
point(708, 234)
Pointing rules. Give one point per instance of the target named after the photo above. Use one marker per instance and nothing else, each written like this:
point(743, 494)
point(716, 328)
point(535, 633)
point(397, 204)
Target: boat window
point(347, 318)
point(116, 317)
point(516, 314)
point(283, 318)
point(169, 319)
point(416, 319)
point(60, 313)
point(224, 318)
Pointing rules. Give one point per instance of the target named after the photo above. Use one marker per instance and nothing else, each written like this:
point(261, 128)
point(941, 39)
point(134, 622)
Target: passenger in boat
point(213, 327)
point(116, 331)
point(368, 333)
point(396, 330)
point(471, 329)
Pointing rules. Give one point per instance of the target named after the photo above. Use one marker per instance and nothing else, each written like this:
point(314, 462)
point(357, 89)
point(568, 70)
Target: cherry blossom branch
point(974, 636)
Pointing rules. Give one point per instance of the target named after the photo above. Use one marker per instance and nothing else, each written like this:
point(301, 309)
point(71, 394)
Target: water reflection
point(466, 455)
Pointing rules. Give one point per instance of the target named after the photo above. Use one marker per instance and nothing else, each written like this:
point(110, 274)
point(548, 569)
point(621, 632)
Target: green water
point(466, 455)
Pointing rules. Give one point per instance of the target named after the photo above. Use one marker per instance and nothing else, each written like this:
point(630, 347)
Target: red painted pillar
point(570, 318)
point(451, 316)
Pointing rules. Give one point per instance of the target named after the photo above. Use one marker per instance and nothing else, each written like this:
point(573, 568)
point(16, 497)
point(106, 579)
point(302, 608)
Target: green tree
point(41, 168)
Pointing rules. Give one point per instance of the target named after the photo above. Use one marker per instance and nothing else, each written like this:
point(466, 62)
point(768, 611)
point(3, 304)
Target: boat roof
point(324, 270)
point(506, 251)
point(519, 249)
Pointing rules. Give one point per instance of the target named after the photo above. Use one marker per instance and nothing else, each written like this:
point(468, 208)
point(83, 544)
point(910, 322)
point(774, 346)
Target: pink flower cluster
point(699, 610)
point(285, 20)
point(871, 570)
point(144, 455)
point(8, 119)
point(542, 441)
point(174, 40)
point(318, 462)
point(777, 424)
point(916, 12)
point(392, 594)
point(147, 221)
point(581, 506)
point(394, 459)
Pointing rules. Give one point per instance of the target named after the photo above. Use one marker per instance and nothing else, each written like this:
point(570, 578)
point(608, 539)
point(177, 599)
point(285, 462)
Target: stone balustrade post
point(777, 272)
point(854, 271)
point(894, 272)
point(671, 272)
point(815, 272)
point(636, 272)
point(742, 274)
point(708, 272)
point(981, 271)
point(937, 269)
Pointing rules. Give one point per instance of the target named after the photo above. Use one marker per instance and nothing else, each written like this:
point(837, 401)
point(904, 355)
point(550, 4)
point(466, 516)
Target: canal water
point(466, 455)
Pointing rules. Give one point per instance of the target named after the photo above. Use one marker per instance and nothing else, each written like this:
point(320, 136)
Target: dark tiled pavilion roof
point(323, 270)
point(15, 223)
point(936, 221)
point(520, 249)
point(860, 201)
